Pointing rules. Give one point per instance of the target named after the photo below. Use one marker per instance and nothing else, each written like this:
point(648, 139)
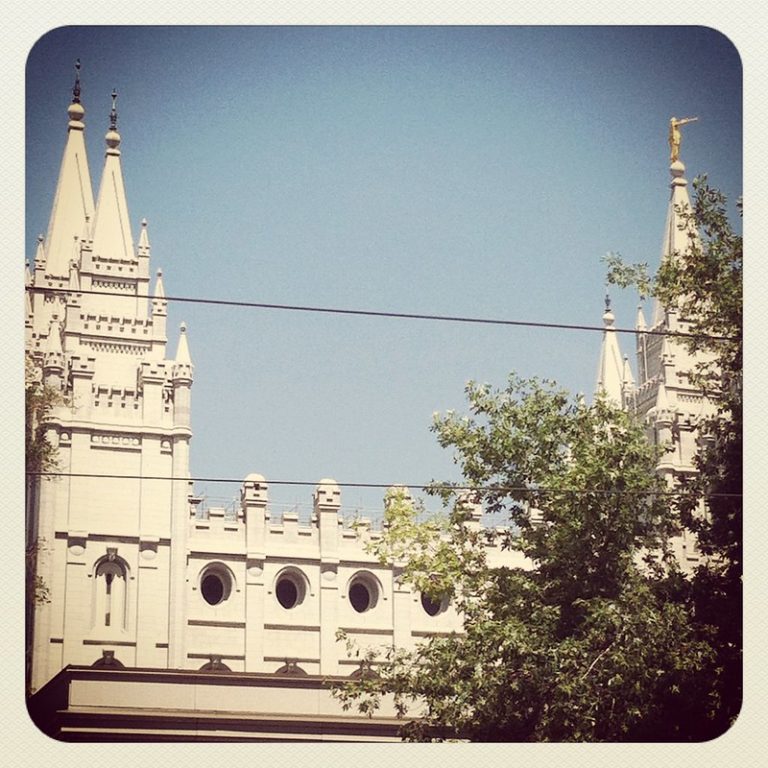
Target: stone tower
point(111, 549)
point(664, 397)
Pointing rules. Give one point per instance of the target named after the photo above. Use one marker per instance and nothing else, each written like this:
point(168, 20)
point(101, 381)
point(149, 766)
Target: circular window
point(215, 586)
point(290, 589)
point(363, 594)
point(430, 605)
point(287, 594)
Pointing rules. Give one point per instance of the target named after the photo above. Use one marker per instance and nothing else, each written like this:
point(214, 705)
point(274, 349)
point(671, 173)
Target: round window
point(212, 589)
point(360, 597)
point(363, 594)
point(215, 586)
point(287, 592)
point(431, 606)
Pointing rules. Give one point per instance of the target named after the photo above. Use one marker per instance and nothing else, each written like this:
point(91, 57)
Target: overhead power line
point(374, 313)
point(431, 485)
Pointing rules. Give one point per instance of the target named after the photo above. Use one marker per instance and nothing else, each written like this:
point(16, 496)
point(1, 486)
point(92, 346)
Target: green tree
point(705, 284)
point(601, 637)
point(578, 646)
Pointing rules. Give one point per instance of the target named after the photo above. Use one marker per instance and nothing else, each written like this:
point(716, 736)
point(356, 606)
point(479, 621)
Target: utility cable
point(432, 486)
point(374, 313)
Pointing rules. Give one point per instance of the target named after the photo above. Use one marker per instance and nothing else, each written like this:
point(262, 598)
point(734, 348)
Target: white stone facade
point(138, 569)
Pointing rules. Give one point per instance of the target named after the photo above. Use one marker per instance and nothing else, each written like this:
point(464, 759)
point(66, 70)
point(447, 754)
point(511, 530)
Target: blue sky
point(477, 171)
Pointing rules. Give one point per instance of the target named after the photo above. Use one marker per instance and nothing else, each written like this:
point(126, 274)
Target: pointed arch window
point(110, 591)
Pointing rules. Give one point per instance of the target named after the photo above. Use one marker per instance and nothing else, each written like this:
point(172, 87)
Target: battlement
point(98, 324)
point(323, 528)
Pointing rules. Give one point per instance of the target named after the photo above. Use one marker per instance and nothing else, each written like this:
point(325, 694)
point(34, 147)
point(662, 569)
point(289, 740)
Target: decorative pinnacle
point(76, 87)
point(607, 302)
point(113, 112)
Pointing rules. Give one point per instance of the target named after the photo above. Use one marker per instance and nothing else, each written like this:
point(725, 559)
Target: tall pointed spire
point(111, 228)
point(678, 232)
point(73, 201)
point(610, 371)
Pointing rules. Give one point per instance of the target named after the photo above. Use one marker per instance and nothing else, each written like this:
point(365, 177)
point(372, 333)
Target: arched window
point(110, 590)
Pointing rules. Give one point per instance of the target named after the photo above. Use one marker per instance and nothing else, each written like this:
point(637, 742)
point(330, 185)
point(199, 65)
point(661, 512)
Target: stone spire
point(678, 234)
point(159, 289)
point(111, 228)
point(611, 369)
point(144, 246)
point(182, 351)
point(73, 202)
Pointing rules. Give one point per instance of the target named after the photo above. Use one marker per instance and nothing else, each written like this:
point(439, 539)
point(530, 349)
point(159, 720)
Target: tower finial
point(113, 112)
point(607, 301)
point(676, 137)
point(76, 86)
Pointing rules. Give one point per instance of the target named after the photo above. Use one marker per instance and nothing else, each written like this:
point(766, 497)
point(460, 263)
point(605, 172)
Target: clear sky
point(475, 171)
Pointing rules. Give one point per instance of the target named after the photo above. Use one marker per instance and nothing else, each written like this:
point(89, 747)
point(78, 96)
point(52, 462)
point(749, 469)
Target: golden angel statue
point(675, 137)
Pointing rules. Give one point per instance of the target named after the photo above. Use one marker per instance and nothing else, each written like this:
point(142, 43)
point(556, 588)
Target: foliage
point(579, 647)
point(39, 400)
point(597, 635)
point(704, 284)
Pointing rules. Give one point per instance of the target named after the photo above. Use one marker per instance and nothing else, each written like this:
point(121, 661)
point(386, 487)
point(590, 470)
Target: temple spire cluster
point(663, 395)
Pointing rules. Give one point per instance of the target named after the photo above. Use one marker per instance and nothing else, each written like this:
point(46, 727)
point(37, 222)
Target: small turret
point(181, 376)
point(53, 358)
point(610, 370)
point(327, 502)
point(254, 496)
point(159, 318)
point(143, 249)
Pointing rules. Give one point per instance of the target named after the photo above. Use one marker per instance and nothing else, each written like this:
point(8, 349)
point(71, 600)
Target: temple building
point(168, 619)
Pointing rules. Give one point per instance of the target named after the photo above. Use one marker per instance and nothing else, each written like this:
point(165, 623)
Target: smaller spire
point(143, 246)
point(40, 257)
point(27, 274)
point(640, 324)
point(182, 351)
point(86, 229)
point(74, 275)
point(53, 343)
point(662, 401)
point(610, 375)
point(628, 378)
point(159, 290)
